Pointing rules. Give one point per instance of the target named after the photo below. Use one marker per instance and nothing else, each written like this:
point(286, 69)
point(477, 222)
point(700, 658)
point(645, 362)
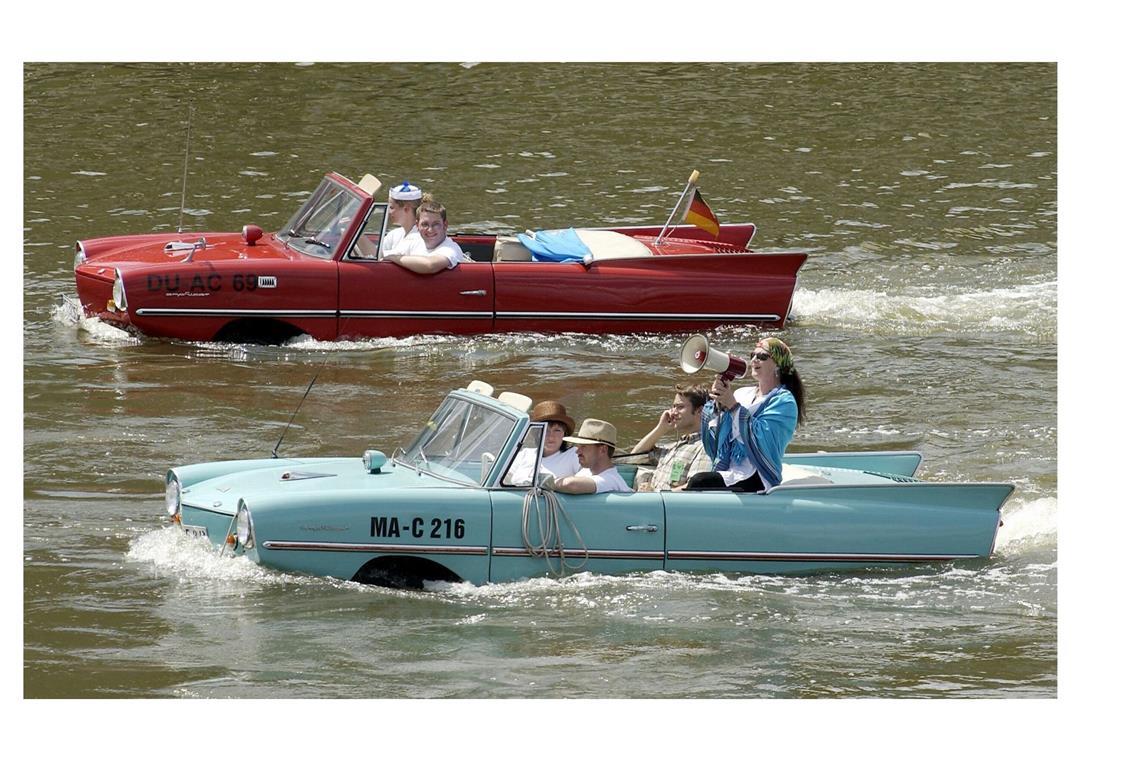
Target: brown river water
point(925, 318)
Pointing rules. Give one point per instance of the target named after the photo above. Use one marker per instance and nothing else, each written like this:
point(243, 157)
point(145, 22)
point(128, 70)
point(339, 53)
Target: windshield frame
point(363, 249)
point(455, 416)
point(513, 457)
point(327, 219)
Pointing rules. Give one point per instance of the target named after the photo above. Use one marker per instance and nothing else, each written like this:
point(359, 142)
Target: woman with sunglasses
point(745, 433)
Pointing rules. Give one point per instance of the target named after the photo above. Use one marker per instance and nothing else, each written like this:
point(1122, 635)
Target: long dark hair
point(791, 380)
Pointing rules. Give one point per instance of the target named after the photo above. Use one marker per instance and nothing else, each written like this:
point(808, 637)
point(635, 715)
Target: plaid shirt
point(676, 462)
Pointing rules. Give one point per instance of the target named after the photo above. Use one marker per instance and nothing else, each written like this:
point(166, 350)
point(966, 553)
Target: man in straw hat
point(402, 203)
point(596, 441)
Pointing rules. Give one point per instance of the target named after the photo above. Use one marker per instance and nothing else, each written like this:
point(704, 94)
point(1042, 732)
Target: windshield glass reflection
point(462, 441)
point(318, 226)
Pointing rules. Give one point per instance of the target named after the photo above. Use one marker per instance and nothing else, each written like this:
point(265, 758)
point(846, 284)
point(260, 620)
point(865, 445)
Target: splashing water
point(1027, 525)
point(69, 312)
point(1030, 309)
point(173, 552)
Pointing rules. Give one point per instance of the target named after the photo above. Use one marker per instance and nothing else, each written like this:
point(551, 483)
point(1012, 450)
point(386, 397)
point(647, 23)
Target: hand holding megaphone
point(697, 354)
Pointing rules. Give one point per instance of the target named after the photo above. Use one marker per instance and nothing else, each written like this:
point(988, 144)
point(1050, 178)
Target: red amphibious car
point(321, 276)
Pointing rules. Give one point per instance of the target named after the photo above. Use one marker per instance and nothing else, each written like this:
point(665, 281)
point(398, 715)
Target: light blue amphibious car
point(440, 511)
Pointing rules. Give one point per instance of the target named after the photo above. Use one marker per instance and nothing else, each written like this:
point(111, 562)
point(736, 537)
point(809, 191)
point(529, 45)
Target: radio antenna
point(185, 165)
point(319, 369)
point(273, 454)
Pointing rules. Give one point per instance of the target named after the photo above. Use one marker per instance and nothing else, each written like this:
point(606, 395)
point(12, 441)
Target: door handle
point(472, 292)
point(642, 528)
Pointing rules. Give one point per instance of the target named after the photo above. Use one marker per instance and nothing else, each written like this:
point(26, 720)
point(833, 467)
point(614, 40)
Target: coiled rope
point(543, 509)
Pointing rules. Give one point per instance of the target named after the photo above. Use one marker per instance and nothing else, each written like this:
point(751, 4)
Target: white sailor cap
point(405, 192)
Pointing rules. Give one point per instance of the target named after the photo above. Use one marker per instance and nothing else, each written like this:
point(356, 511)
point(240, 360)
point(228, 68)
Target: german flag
point(701, 215)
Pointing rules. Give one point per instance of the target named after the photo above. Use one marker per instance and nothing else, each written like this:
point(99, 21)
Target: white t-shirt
point(395, 236)
point(414, 245)
point(607, 480)
point(559, 464)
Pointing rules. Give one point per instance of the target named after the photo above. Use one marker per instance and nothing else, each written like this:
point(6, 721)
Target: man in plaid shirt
point(674, 462)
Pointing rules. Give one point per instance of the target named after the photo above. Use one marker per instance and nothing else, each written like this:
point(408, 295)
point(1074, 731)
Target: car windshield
point(318, 226)
point(462, 441)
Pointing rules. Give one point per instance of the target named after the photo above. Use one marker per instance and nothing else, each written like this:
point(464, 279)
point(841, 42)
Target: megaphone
point(697, 354)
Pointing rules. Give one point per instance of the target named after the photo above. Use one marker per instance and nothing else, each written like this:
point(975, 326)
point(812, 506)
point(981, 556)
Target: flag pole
point(692, 181)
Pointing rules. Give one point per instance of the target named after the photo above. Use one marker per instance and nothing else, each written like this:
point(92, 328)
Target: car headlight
point(80, 254)
point(173, 495)
point(243, 528)
point(119, 292)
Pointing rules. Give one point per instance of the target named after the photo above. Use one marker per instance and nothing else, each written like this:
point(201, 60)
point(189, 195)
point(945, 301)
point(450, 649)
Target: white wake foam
point(1027, 525)
point(1028, 309)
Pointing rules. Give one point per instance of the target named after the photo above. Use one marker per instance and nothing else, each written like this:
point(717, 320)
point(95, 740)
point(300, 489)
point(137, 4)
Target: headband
point(780, 352)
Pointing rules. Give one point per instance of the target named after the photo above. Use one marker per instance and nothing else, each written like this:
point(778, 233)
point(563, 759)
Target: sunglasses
point(761, 356)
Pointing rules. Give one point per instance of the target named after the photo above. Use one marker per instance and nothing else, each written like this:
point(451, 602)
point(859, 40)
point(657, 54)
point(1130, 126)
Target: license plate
point(195, 530)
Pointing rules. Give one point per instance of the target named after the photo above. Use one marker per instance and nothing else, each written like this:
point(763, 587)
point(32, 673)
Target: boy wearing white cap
point(596, 441)
point(402, 202)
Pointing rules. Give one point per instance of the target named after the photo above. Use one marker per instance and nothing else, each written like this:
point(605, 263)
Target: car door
point(378, 298)
point(719, 530)
point(605, 533)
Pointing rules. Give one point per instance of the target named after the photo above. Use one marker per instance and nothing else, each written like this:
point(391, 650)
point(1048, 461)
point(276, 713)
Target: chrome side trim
point(582, 553)
point(809, 557)
point(656, 556)
point(382, 314)
point(476, 551)
point(635, 316)
point(378, 314)
point(325, 546)
point(235, 313)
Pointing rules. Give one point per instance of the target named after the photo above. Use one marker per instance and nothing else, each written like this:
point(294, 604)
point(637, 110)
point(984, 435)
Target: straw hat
point(595, 431)
point(552, 411)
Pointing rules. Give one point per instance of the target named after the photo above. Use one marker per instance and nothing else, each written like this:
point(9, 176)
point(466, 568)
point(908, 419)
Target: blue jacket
point(766, 431)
